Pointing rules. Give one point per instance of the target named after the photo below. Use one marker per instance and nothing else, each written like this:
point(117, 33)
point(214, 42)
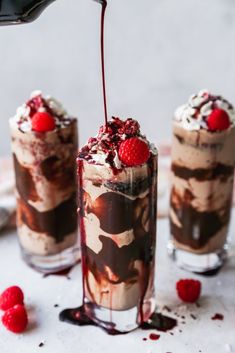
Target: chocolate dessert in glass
point(117, 173)
point(203, 160)
point(44, 147)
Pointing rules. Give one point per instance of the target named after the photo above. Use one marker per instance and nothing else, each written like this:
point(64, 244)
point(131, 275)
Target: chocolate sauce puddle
point(62, 273)
point(80, 317)
point(159, 322)
point(210, 273)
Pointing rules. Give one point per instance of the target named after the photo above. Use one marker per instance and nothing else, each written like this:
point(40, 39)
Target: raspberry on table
point(188, 290)
point(15, 319)
point(10, 297)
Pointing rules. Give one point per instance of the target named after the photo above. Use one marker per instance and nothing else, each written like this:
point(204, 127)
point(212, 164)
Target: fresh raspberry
point(218, 120)
point(133, 151)
point(188, 290)
point(15, 319)
point(10, 297)
point(42, 122)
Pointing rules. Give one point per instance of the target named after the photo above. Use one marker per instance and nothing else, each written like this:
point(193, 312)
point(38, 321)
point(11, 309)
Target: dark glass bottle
point(21, 11)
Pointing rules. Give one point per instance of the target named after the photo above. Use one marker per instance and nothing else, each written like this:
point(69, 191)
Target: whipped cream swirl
point(38, 103)
point(193, 115)
point(103, 148)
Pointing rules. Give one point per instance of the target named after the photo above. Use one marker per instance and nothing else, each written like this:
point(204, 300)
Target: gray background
point(157, 53)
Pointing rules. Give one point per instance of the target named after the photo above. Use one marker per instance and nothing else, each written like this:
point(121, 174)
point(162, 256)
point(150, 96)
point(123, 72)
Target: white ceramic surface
point(200, 335)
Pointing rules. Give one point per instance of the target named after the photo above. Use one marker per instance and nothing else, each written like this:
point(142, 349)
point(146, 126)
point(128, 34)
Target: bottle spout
point(102, 2)
point(21, 11)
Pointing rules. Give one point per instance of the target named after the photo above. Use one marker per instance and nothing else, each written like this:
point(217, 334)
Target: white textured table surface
point(193, 336)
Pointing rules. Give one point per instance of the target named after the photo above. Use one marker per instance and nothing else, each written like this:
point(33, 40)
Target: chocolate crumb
point(217, 317)
point(193, 317)
point(56, 305)
point(41, 344)
point(167, 308)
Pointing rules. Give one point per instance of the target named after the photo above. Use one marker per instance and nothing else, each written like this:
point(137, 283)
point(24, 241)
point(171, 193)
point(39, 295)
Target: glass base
point(52, 263)
point(207, 264)
point(117, 321)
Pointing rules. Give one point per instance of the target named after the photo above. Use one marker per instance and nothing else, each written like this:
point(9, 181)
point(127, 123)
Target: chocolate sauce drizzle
point(207, 223)
point(219, 170)
point(24, 182)
point(104, 5)
point(52, 221)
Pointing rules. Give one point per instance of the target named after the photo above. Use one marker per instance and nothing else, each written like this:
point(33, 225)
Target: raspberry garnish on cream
point(107, 147)
point(42, 122)
point(197, 113)
point(41, 114)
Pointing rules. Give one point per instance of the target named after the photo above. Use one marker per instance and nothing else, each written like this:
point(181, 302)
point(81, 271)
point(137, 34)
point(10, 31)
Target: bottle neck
point(21, 11)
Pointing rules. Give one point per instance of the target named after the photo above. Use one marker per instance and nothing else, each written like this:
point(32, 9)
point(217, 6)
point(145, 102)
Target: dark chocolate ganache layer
point(52, 222)
point(197, 227)
point(219, 170)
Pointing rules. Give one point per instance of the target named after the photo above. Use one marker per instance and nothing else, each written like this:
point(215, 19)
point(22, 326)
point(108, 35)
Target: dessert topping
point(218, 120)
point(118, 144)
point(34, 104)
point(196, 113)
point(38, 104)
point(134, 151)
point(42, 122)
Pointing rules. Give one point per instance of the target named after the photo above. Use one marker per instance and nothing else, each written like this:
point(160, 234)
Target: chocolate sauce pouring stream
point(104, 5)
